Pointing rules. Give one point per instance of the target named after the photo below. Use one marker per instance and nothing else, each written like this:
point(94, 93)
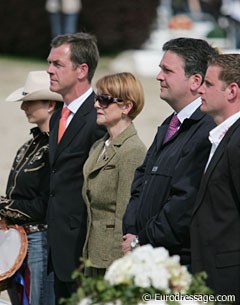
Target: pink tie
point(172, 128)
point(63, 122)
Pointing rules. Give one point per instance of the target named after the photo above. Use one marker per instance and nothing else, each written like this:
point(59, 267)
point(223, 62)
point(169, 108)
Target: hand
point(126, 244)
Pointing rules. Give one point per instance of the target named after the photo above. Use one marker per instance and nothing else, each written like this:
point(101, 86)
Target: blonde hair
point(124, 86)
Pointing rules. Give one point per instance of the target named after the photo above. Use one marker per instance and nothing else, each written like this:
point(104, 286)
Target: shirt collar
point(75, 104)
point(216, 134)
point(188, 110)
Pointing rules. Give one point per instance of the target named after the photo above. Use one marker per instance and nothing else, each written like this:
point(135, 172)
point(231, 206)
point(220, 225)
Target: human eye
point(207, 83)
point(166, 70)
point(57, 64)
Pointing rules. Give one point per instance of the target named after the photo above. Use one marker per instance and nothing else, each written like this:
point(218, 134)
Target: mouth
point(52, 81)
point(163, 87)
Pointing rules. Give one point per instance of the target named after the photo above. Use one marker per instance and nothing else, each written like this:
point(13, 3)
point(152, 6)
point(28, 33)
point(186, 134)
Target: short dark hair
point(194, 52)
point(83, 48)
point(230, 67)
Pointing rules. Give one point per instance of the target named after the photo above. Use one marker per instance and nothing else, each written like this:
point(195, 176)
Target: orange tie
point(63, 122)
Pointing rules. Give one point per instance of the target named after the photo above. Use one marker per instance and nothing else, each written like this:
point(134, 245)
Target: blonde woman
point(109, 170)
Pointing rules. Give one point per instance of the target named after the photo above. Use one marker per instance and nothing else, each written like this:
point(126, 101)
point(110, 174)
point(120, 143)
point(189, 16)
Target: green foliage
point(101, 292)
point(198, 285)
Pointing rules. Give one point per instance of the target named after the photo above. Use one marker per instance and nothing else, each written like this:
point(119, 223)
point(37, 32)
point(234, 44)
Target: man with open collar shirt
point(215, 226)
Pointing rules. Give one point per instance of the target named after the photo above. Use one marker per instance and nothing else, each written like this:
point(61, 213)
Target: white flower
point(150, 267)
point(119, 271)
point(180, 277)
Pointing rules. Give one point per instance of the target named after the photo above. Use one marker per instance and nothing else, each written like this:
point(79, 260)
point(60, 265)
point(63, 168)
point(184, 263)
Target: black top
point(165, 186)
point(28, 183)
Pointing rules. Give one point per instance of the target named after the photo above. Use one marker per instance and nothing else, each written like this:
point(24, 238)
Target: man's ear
point(232, 91)
point(82, 71)
point(197, 80)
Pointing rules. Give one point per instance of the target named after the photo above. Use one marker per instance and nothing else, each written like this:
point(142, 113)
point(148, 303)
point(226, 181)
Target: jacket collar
point(112, 149)
point(187, 123)
point(74, 128)
point(35, 131)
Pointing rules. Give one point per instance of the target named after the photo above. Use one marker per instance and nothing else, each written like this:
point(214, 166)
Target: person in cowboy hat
point(28, 184)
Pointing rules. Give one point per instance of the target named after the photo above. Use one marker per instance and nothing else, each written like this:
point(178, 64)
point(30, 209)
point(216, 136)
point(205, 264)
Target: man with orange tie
point(72, 63)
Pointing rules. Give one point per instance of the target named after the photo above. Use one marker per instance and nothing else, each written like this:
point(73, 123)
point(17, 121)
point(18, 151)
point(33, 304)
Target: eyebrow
point(56, 61)
point(207, 82)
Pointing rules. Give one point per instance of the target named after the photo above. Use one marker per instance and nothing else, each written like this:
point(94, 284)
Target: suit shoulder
point(206, 123)
point(234, 132)
point(208, 119)
point(134, 145)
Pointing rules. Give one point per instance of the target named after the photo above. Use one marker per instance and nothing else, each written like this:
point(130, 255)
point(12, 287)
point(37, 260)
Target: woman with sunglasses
point(110, 167)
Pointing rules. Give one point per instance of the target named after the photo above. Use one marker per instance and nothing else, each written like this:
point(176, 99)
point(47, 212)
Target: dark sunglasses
point(105, 100)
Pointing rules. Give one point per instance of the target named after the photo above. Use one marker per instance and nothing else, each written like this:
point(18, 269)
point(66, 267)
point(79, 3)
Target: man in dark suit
point(165, 186)
point(215, 228)
point(72, 62)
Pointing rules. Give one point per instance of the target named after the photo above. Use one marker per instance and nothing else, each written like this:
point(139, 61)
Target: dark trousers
point(63, 289)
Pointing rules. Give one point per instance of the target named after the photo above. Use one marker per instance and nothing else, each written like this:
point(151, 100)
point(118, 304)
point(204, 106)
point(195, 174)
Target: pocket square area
point(109, 166)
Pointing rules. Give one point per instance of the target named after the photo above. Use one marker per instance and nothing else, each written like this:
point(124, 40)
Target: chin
point(53, 89)
point(203, 108)
point(163, 96)
point(99, 122)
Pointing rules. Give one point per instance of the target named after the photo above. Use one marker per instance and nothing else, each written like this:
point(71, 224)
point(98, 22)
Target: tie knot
point(172, 128)
point(65, 112)
point(174, 123)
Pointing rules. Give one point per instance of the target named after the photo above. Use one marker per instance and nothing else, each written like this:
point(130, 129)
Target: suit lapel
point(206, 176)
point(104, 160)
point(77, 122)
point(187, 123)
point(111, 150)
point(161, 133)
point(54, 136)
point(74, 128)
point(213, 163)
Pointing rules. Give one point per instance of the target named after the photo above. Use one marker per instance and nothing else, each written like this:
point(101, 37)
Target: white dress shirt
point(217, 134)
point(75, 104)
point(188, 110)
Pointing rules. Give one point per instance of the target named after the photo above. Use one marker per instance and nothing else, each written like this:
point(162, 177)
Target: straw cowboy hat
point(35, 88)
